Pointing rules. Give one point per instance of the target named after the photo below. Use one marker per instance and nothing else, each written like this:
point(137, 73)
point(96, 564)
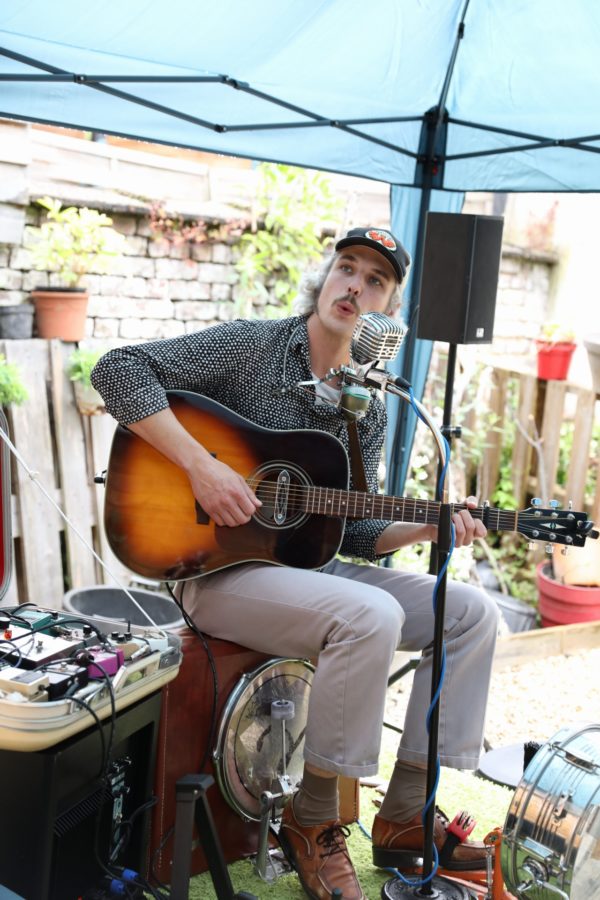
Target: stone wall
point(158, 288)
point(155, 289)
point(523, 300)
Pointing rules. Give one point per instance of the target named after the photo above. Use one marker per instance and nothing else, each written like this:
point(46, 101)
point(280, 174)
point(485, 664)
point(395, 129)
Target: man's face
point(360, 280)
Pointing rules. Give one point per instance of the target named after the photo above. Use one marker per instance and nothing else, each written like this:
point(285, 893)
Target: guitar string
point(304, 491)
point(301, 493)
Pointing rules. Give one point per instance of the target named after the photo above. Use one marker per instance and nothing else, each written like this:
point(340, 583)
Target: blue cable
point(417, 882)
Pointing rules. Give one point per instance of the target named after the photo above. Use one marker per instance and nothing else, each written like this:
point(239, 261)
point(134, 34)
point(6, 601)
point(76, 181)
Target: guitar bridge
point(282, 493)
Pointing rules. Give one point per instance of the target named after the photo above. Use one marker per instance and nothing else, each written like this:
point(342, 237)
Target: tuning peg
point(553, 504)
point(564, 551)
point(570, 504)
point(536, 501)
point(531, 545)
point(549, 549)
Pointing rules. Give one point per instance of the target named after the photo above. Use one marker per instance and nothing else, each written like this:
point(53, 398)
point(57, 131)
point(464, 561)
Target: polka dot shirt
point(252, 367)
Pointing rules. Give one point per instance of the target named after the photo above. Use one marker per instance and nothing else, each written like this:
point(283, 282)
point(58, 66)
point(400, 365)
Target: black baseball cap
point(384, 242)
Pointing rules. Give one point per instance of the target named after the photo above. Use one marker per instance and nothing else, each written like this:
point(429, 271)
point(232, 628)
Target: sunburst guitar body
point(157, 528)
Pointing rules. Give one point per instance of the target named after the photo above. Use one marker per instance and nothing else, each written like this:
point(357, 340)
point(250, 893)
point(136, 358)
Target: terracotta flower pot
point(554, 359)
point(60, 313)
point(564, 604)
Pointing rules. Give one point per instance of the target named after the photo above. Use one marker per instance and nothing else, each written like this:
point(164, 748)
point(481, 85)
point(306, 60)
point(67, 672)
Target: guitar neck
point(361, 505)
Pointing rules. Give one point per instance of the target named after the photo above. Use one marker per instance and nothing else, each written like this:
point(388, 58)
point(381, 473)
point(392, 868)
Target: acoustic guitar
point(157, 528)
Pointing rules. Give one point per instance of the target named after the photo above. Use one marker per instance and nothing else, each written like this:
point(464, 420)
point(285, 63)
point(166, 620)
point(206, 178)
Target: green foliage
point(81, 362)
point(294, 207)
point(12, 389)
point(555, 333)
point(74, 242)
point(565, 452)
point(513, 560)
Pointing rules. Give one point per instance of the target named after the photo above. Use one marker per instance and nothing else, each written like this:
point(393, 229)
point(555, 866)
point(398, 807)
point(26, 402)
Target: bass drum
point(248, 753)
point(551, 842)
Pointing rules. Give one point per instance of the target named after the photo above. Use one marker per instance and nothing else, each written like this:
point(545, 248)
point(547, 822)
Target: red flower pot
point(554, 359)
point(564, 604)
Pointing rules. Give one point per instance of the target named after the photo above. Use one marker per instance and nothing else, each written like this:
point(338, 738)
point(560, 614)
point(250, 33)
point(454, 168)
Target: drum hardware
point(551, 838)
point(271, 865)
point(259, 750)
point(539, 878)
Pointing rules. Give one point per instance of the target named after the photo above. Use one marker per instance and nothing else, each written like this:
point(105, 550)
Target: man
point(351, 617)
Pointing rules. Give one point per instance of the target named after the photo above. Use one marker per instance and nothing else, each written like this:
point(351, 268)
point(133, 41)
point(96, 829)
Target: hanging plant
point(79, 369)
point(12, 389)
point(176, 229)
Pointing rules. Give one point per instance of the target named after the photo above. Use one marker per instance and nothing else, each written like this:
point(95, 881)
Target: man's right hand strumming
point(221, 492)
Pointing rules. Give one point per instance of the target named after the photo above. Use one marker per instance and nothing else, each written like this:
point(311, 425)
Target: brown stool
point(182, 741)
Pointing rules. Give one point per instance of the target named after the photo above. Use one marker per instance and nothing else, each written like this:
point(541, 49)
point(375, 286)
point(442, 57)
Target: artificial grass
point(486, 801)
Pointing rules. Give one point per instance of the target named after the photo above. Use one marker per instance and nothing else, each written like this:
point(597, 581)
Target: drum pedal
point(271, 864)
point(267, 865)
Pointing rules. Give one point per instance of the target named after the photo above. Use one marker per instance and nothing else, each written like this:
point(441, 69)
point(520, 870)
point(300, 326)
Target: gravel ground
point(530, 702)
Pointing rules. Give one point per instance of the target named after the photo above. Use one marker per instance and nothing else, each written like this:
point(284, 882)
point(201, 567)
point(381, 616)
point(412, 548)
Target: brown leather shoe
point(319, 855)
point(399, 845)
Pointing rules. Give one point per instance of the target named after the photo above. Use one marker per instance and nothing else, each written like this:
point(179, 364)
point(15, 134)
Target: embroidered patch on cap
point(382, 237)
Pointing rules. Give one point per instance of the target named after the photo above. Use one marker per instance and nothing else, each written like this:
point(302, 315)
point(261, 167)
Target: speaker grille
point(461, 261)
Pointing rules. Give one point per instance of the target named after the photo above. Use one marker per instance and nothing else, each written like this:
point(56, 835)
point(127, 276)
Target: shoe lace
point(333, 839)
point(441, 815)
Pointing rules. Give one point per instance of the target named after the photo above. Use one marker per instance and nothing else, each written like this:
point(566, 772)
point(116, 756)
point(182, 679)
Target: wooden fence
point(540, 409)
point(66, 450)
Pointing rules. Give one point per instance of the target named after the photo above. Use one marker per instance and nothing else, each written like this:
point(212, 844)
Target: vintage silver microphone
point(375, 338)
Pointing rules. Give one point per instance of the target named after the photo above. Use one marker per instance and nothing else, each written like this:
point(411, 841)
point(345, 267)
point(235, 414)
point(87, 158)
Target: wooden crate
point(60, 451)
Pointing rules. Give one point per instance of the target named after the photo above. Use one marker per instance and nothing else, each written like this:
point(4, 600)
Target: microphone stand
point(434, 887)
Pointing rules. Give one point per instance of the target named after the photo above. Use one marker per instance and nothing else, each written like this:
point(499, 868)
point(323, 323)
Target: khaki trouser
point(352, 618)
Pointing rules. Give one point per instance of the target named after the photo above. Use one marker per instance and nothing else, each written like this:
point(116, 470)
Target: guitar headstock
point(555, 526)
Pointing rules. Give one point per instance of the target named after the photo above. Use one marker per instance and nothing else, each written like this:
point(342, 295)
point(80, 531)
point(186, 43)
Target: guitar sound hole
point(280, 486)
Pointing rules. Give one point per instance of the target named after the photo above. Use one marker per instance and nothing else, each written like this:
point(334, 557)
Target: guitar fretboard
point(361, 505)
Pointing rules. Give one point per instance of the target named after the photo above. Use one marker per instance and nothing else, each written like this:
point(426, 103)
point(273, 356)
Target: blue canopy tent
point(436, 97)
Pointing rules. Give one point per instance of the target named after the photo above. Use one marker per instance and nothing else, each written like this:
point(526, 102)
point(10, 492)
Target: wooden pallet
point(63, 450)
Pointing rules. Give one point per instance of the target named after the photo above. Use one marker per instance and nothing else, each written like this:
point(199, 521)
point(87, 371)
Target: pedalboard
point(29, 648)
point(55, 667)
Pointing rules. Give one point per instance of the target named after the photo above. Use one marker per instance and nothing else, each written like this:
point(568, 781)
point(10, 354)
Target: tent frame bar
point(52, 74)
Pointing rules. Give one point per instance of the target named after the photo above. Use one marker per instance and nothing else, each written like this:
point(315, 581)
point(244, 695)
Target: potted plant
point(569, 586)
point(16, 321)
point(12, 389)
point(79, 369)
point(555, 347)
point(72, 242)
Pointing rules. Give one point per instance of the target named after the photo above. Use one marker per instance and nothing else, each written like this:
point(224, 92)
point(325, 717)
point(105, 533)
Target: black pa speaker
point(461, 260)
